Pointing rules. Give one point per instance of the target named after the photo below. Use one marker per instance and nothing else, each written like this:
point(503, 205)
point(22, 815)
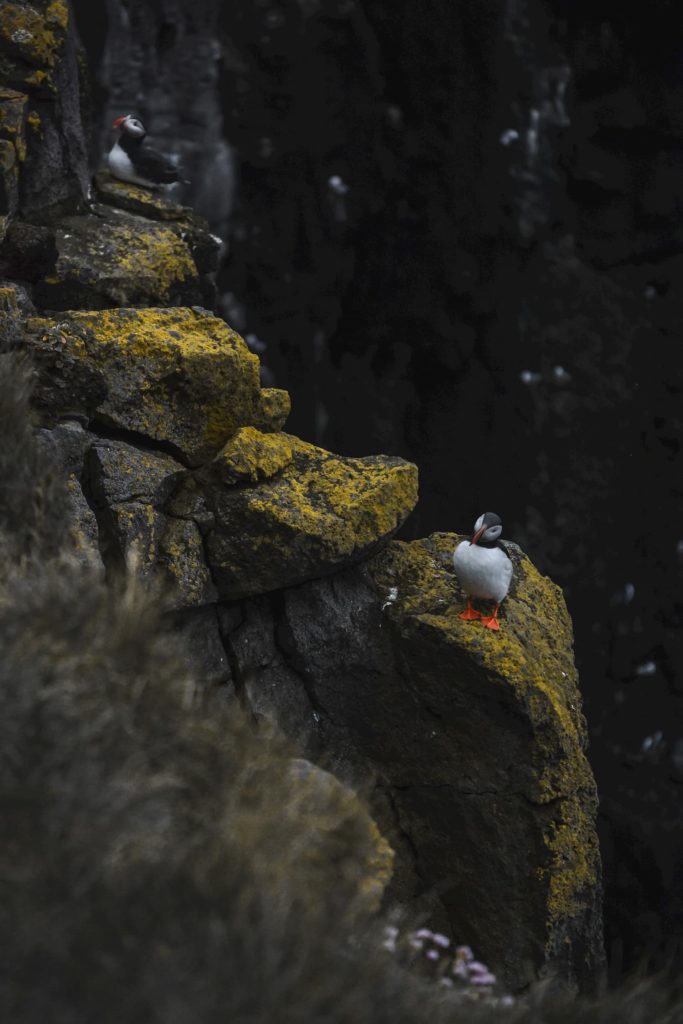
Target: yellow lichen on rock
point(37, 79)
point(8, 158)
point(274, 409)
point(319, 512)
point(136, 199)
point(57, 14)
point(573, 866)
point(182, 561)
point(36, 38)
point(12, 115)
point(173, 375)
point(9, 182)
point(8, 300)
point(252, 456)
point(127, 260)
point(159, 255)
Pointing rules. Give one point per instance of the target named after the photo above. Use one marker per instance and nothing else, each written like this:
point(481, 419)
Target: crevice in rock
point(108, 543)
point(287, 648)
point(109, 432)
point(389, 792)
point(230, 677)
point(239, 678)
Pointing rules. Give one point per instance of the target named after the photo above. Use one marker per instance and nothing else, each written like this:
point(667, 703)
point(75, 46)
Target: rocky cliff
point(282, 580)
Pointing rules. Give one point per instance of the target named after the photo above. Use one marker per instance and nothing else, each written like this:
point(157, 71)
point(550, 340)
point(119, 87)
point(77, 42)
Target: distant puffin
point(483, 568)
point(131, 160)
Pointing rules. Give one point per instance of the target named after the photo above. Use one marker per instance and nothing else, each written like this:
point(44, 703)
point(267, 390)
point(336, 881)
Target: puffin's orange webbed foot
point(470, 613)
point(491, 621)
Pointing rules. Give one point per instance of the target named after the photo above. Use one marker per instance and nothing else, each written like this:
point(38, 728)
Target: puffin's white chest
point(483, 572)
point(121, 166)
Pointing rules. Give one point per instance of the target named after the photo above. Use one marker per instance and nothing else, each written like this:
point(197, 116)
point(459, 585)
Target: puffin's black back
point(148, 162)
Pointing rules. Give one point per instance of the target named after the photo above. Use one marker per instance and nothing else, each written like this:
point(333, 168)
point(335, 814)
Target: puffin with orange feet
point(483, 568)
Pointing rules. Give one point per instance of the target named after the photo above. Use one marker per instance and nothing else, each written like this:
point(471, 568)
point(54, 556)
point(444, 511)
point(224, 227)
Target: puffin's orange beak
point(477, 535)
point(119, 121)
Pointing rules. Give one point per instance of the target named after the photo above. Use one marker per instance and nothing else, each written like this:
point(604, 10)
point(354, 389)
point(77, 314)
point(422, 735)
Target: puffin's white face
point(131, 126)
point(488, 533)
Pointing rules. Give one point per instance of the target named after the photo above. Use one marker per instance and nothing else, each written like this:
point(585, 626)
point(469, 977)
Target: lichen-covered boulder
point(250, 456)
point(118, 259)
point(134, 248)
point(190, 228)
point(475, 740)
point(319, 511)
point(180, 377)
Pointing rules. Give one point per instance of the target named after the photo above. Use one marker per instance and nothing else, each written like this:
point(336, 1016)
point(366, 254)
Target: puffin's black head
point(131, 126)
point(487, 529)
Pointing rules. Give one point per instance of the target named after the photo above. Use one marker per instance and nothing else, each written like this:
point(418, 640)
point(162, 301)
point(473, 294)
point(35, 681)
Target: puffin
point(483, 568)
point(131, 160)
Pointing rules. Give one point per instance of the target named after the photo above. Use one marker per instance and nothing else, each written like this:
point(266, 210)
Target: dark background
point(452, 230)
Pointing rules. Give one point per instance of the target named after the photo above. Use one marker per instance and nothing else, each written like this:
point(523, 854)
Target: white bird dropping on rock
point(483, 568)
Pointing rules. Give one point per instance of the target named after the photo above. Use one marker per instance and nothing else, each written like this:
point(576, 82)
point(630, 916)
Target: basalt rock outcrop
point(316, 513)
point(475, 741)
